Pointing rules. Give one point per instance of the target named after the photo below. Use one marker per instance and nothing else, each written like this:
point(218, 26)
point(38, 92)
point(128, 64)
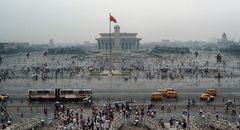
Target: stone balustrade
point(152, 123)
point(26, 125)
point(117, 122)
point(221, 124)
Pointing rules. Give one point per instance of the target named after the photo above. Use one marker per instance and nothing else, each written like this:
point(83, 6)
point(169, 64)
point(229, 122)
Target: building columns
point(102, 46)
point(138, 45)
point(132, 45)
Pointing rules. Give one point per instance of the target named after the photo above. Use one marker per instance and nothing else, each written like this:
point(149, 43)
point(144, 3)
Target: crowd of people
point(164, 67)
point(73, 118)
point(102, 117)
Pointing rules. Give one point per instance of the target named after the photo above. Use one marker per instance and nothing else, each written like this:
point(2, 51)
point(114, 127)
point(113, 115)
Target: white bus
point(60, 94)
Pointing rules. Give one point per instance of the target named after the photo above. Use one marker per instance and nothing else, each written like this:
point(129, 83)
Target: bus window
point(69, 92)
point(85, 92)
point(45, 92)
point(39, 92)
point(81, 92)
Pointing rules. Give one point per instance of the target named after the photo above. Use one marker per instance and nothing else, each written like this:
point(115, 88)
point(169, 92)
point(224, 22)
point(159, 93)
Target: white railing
point(26, 125)
point(210, 120)
point(193, 126)
point(152, 123)
point(117, 122)
point(222, 124)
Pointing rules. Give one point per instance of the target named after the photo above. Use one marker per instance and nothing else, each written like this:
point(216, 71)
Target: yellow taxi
point(170, 89)
point(206, 96)
point(211, 91)
point(171, 94)
point(156, 96)
point(163, 91)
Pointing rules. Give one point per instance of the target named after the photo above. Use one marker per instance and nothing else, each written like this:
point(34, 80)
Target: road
point(113, 89)
point(117, 88)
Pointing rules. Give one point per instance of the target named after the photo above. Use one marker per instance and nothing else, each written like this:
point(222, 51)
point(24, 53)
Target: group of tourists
point(164, 67)
point(73, 118)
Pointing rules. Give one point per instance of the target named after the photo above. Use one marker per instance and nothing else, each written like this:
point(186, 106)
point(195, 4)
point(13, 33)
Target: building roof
point(122, 39)
point(121, 34)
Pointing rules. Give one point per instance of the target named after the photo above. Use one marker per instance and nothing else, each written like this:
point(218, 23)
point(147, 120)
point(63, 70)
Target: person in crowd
point(217, 116)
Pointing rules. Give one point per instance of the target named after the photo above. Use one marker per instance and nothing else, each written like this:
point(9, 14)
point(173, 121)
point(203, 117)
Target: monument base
point(114, 72)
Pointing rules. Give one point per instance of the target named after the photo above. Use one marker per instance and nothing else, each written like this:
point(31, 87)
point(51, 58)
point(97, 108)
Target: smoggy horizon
point(154, 20)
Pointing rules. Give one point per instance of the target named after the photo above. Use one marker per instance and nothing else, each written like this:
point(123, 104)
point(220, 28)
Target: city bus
point(59, 94)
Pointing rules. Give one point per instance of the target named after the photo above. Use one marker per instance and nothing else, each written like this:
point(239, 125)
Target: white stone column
point(102, 46)
point(138, 45)
point(117, 38)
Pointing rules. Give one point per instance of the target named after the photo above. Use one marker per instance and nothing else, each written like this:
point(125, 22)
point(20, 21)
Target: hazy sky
point(82, 20)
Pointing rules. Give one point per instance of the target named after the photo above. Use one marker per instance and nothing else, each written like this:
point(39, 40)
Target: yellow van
point(170, 89)
point(156, 96)
point(172, 94)
point(163, 91)
point(211, 91)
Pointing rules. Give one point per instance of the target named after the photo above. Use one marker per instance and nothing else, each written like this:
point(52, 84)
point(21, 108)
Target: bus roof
point(76, 89)
point(40, 89)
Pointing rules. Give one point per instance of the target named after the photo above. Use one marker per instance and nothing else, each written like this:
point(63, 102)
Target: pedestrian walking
point(200, 111)
point(217, 115)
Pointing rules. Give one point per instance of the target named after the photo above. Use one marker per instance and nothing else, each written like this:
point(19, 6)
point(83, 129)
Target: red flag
point(112, 19)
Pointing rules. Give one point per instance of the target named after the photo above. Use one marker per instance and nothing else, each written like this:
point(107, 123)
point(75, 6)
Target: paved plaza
point(147, 76)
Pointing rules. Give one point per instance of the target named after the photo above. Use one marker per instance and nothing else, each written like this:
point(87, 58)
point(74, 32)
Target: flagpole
point(110, 53)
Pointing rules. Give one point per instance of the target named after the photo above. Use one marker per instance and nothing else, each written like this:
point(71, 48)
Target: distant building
point(224, 42)
point(119, 41)
point(87, 42)
point(12, 47)
point(6, 45)
point(165, 41)
point(51, 42)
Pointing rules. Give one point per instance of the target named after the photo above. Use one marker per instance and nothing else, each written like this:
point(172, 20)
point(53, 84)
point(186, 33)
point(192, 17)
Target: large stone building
point(224, 42)
point(119, 41)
